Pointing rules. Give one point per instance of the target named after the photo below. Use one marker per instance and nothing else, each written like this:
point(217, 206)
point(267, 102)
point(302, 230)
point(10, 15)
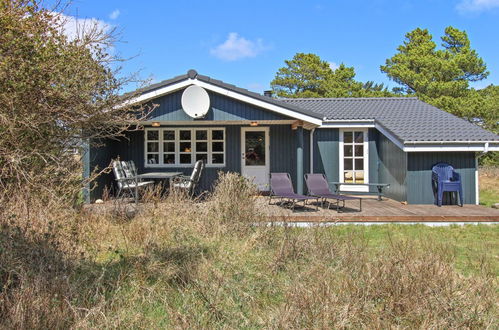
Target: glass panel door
point(353, 157)
point(255, 159)
point(255, 148)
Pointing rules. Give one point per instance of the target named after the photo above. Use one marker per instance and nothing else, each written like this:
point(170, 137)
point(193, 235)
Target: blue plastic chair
point(444, 178)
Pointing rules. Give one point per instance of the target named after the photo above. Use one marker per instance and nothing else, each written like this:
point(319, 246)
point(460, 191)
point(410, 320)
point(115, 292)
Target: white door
point(255, 162)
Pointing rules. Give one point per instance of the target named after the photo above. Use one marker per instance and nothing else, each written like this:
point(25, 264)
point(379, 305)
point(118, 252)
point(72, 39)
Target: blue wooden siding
point(222, 108)
point(283, 143)
point(96, 157)
point(282, 155)
point(419, 174)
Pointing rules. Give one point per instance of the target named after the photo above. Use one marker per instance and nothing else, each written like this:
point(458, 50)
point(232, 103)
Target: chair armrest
point(181, 178)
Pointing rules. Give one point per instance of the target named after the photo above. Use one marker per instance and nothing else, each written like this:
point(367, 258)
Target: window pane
point(359, 151)
point(185, 147)
point(348, 164)
point(201, 146)
point(347, 150)
point(359, 177)
point(217, 135)
point(202, 135)
point(185, 158)
point(202, 156)
point(152, 146)
point(359, 164)
point(153, 135)
point(255, 148)
point(348, 177)
point(152, 159)
point(168, 135)
point(217, 158)
point(185, 135)
point(359, 137)
point(169, 147)
point(218, 146)
point(347, 137)
point(169, 158)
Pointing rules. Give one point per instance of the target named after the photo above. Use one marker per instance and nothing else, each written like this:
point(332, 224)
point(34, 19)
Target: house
point(355, 140)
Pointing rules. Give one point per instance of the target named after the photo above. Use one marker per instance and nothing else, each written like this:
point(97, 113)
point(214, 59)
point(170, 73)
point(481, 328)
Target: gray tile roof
point(408, 118)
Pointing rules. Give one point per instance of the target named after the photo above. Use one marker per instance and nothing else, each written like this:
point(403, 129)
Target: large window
point(354, 156)
point(184, 146)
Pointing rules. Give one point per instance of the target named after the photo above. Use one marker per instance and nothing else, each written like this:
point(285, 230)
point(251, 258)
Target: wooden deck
point(381, 211)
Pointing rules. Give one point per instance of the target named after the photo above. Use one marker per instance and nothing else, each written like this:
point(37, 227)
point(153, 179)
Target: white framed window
point(182, 147)
point(354, 158)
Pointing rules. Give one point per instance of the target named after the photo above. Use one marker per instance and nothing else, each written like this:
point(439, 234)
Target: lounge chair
point(189, 183)
point(445, 178)
point(126, 181)
point(317, 186)
point(281, 187)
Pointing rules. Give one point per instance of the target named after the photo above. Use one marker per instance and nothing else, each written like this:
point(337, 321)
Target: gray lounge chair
point(189, 183)
point(317, 186)
point(281, 187)
point(126, 180)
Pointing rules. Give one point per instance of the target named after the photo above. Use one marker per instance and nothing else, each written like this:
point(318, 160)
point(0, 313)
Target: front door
point(255, 163)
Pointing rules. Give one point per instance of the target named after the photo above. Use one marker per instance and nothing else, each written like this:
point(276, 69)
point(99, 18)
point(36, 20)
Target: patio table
point(154, 176)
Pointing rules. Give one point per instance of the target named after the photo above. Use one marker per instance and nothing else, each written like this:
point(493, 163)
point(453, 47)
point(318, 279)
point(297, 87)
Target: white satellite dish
point(195, 101)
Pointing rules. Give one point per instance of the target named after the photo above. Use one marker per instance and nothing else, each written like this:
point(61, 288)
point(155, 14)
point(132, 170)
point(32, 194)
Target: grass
point(204, 266)
point(489, 186)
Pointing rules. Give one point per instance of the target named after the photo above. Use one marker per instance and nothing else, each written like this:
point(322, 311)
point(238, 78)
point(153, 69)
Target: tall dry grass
point(174, 262)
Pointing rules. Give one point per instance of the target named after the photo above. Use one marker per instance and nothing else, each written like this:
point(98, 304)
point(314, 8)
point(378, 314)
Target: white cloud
point(476, 5)
point(333, 66)
point(237, 47)
point(115, 14)
point(74, 27)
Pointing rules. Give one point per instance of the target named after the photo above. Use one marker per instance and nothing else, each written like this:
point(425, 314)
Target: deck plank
point(381, 211)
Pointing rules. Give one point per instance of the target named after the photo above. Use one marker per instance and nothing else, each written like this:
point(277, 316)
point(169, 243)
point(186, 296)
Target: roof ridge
point(347, 98)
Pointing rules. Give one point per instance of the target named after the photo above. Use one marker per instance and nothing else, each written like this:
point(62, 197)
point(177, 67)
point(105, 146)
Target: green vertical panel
point(392, 162)
point(373, 158)
point(299, 160)
point(326, 153)
point(419, 174)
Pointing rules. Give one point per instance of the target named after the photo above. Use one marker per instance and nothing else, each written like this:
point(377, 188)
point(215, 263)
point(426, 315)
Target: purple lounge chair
point(281, 187)
point(445, 178)
point(317, 186)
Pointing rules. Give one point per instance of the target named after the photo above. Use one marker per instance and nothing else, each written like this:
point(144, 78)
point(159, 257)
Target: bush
point(202, 264)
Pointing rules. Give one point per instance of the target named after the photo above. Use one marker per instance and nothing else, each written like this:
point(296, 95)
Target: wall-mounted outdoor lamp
point(254, 123)
point(155, 124)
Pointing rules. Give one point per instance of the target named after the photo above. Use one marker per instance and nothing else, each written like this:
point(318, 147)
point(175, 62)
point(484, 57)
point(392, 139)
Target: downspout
point(312, 131)
point(477, 186)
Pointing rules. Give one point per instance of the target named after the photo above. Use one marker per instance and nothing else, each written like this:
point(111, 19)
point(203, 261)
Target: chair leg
point(461, 195)
point(440, 194)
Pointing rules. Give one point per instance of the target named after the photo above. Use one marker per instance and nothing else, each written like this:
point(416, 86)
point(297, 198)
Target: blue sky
point(246, 42)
